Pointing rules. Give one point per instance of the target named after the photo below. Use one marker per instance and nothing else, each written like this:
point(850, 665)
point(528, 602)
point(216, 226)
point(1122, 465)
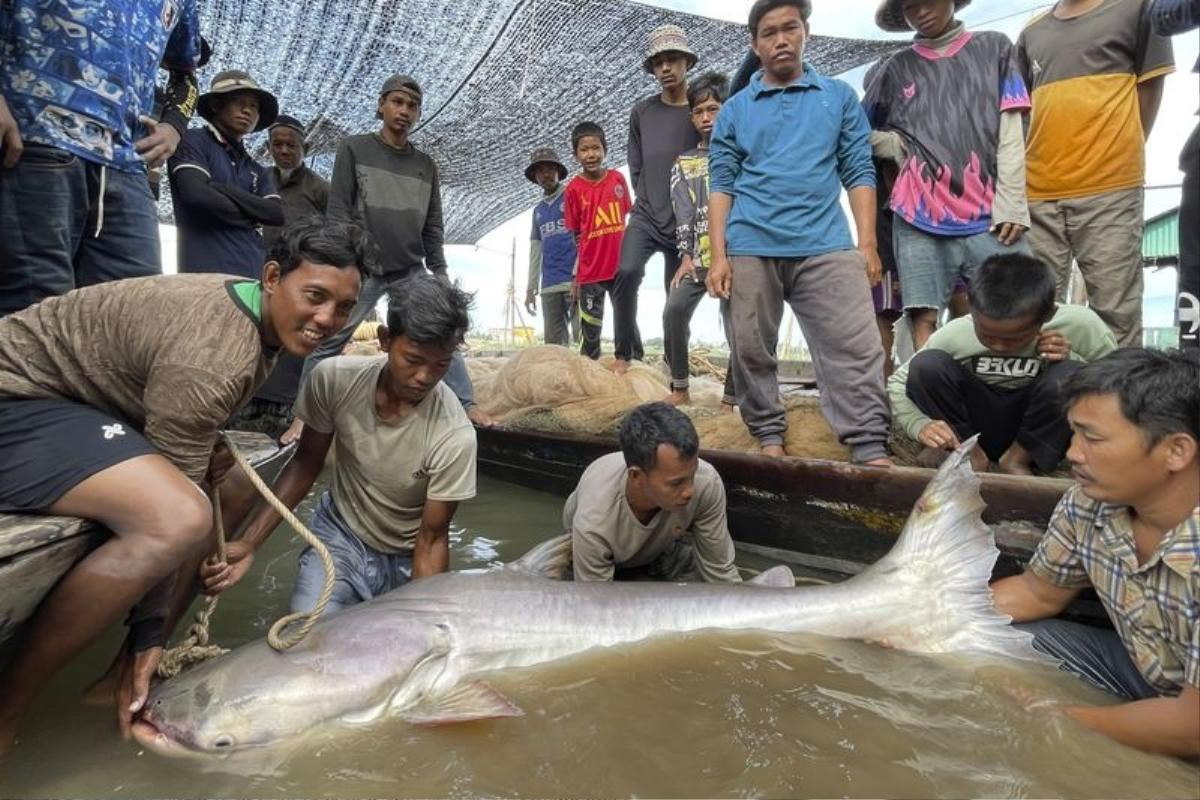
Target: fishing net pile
point(554, 389)
point(500, 77)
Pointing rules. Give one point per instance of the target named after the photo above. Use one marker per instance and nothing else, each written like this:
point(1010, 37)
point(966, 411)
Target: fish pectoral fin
point(466, 703)
point(366, 715)
point(550, 559)
point(777, 577)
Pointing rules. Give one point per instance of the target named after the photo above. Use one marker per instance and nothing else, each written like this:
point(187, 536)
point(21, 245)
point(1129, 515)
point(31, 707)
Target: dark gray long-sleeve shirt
point(393, 193)
point(658, 134)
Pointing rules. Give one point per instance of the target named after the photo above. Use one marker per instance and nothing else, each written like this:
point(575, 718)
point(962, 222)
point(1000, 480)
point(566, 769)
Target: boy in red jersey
point(597, 203)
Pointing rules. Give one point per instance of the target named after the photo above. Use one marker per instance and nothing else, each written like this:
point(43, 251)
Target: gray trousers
point(560, 318)
point(832, 300)
point(374, 288)
point(1095, 654)
point(677, 318)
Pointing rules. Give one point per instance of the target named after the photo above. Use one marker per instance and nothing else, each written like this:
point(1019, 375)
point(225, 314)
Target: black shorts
point(48, 447)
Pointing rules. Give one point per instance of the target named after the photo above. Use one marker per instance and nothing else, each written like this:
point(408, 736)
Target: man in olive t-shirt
point(405, 457)
point(654, 509)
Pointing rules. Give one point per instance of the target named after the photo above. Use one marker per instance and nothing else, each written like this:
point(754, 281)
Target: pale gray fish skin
point(929, 594)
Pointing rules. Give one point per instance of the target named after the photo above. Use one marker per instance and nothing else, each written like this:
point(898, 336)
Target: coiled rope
point(196, 647)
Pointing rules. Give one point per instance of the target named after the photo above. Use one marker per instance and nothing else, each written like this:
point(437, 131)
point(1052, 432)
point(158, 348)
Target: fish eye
point(223, 742)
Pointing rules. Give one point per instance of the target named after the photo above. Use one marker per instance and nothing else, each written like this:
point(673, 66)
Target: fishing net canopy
point(500, 77)
point(554, 389)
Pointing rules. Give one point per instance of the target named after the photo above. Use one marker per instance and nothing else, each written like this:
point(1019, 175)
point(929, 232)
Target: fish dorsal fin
point(466, 703)
point(550, 559)
point(777, 577)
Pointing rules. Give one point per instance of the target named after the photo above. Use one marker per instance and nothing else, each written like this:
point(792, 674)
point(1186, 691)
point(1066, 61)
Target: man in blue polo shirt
point(77, 130)
point(222, 195)
point(781, 152)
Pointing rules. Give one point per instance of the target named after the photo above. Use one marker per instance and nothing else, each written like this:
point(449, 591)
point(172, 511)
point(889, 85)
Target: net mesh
point(554, 389)
point(500, 77)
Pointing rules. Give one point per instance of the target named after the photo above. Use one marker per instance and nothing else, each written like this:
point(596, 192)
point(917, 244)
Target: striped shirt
point(1155, 606)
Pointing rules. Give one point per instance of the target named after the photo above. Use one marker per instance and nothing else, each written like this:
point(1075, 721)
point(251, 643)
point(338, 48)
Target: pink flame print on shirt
point(934, 202)
point(910, 91)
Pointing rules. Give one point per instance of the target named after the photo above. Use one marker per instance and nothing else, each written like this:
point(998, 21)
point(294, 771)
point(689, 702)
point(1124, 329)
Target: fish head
point(216, 712)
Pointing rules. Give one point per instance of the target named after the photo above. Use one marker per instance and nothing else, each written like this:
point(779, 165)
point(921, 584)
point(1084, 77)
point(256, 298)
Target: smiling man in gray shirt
point(654, 509)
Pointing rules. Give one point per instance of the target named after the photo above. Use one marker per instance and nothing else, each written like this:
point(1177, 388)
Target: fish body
point(418, 652)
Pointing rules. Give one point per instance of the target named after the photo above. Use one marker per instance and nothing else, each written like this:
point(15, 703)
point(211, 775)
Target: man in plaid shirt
point(1130, 529)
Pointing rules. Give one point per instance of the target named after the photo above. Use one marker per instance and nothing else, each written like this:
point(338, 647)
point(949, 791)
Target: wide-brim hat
point(890, 16)
point(544, 155)
point(234, 80)
point(668, 39)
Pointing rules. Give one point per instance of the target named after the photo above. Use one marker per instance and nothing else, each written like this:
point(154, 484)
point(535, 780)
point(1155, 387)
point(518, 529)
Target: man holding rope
point(405, 457)
point(111, 401)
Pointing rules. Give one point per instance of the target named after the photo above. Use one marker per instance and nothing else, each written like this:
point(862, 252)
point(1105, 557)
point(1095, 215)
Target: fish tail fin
point(944, 560)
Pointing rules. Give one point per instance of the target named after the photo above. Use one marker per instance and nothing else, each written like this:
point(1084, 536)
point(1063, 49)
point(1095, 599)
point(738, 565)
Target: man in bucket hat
point(551, 249)
point(221, 194)
point(385, 184)
point(953, 104)
point(660, 129)
point(78, 129)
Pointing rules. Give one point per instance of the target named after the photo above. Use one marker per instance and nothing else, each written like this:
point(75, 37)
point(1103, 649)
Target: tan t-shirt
point(173, 355)
point(606, 535)
point(384, 473)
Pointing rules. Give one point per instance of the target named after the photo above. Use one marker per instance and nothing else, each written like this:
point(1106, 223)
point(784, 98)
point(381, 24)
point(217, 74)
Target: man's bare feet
point(620, 366)
point(292, 434)
point(1016, 461)
point(773, 451)
point(480, 418)
point(878, 462)
point(932, 457)
point(678, 397)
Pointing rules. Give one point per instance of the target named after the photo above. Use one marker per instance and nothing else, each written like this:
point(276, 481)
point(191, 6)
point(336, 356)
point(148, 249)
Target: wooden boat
point(828, 520)
point(36, 550)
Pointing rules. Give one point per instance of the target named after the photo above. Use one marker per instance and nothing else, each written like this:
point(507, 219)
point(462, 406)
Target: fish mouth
point(153, 738)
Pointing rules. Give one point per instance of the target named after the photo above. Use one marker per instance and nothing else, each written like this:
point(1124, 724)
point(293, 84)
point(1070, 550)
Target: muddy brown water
point(706, 715)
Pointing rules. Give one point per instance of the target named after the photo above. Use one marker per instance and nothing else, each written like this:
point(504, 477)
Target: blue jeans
point(362, 572)
point(373, 288)
point(929, 265)
point(66, 223)
point(1095, 654)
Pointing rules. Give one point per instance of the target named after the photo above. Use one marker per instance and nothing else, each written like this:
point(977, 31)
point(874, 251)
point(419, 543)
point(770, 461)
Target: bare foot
point(679, 397)
point(773, 451)
point(1016, 461)
point(877, 462)
point(727, 408)
point(932, 457)
point(292, 434)
point(620, 366)
point(979, 461)
point(480, 418)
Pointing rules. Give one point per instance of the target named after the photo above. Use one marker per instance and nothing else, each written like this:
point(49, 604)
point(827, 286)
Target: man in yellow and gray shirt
point(1095, 69)
point(1130, 529)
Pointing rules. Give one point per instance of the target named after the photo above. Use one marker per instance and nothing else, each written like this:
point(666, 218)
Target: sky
point(485, 269)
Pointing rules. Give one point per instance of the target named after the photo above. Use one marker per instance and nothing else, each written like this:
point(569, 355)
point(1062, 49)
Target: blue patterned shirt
point(77, 75)
point(1155, 606)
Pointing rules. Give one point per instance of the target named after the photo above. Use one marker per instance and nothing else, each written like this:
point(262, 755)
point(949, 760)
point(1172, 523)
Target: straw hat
point(544, 155)
point(890, 16)
point(668, 39)
point(235, 80)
